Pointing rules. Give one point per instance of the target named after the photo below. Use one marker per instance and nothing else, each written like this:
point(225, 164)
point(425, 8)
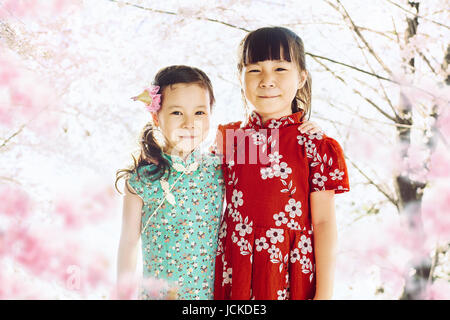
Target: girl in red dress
point(278, 235)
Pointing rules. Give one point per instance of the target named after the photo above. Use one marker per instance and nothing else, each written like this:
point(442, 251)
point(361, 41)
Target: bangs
point(266, 44)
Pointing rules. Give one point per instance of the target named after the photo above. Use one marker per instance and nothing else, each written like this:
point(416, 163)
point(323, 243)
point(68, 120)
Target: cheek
point(168, 125)
point(291, 87)
point(205, 126)
point(248, 86)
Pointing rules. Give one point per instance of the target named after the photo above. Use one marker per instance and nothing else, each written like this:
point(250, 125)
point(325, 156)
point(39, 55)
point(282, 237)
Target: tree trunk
point(409, 191)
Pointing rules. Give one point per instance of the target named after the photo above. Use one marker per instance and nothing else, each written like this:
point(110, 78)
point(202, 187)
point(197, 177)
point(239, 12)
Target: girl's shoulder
point(320, 139)
point(231, 125)
point(321, 148)
point(142, 174)
point(221, 135)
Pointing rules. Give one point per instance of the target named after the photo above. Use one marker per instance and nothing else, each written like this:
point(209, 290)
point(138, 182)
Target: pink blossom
point(436, 215)
point(15, 202)
point(443, 122)
point(34, 8)
point(438, 290)
point(87, 207)
point(439, 161)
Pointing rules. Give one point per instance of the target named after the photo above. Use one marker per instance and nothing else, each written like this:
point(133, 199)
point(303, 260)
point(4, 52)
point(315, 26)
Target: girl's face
point(271, 85)
point(184, 117)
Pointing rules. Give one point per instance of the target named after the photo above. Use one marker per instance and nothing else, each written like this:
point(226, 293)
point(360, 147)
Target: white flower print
point(293, 225)
point(219, 249)
point(234, 238)
point(227, 276)
point(306, 265)
point(309, 145)
point(305, 244)
point(317, 136)
point(319, 179)
point(236, 198)
point(304, 262)
point(280, 218)
point(301, 140)
point(223, 230)
point(235, 215)
point(281, 170)
point(242, 243)
point(293, 208)
point(281, 294)
point(295, 255)
point(261, 244)
point(266, 173)
point(336, 174)
point(258, 138)
point(275, 157)
point(274, 124)
point(256, 118)
point(274, 252)
point(243, 227)
point(275, 235)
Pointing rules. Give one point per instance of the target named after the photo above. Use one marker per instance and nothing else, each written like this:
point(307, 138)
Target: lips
point(268, 96)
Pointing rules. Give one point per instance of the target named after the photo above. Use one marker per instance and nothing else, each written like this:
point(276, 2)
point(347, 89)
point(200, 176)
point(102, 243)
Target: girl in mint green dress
point(174, 192)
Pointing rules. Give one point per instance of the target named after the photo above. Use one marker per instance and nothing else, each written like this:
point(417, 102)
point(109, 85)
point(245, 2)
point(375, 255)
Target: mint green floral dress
point(179, 241)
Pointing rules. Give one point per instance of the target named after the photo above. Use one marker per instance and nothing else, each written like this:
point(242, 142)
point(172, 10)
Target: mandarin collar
point(192, 157)
point(255, 120)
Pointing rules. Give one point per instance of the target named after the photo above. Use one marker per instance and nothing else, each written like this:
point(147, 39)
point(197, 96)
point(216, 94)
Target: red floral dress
point(265, 248)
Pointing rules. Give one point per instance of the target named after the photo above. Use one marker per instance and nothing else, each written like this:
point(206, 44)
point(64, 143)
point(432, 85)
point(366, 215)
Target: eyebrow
point(277, 61)
point(176, 106)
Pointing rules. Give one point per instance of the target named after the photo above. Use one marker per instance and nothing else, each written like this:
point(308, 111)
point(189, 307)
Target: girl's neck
point(173, 152)
point(266, 116)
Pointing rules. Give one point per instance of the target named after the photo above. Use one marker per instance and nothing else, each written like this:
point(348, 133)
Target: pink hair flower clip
point(151, 98)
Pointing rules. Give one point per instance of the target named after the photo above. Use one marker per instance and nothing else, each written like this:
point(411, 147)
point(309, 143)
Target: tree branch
point(390, 198)
point(355, 28)
point(5, 142)
point(422, 17)
point(176, 13)
point(359, 93)
point(349, 66)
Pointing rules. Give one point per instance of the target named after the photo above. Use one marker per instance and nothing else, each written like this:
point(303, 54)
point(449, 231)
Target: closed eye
point(281, 69)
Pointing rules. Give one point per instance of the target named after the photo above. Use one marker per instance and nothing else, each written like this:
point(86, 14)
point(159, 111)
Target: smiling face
point(273, 75)
point(184, 117)
point(271, 86)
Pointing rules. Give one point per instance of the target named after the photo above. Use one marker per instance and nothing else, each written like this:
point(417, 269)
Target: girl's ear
point(303, 77)
point(155, 119)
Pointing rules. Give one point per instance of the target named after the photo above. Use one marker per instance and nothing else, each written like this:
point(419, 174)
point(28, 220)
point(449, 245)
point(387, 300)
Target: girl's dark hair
point(150, 151)
point(274, 43)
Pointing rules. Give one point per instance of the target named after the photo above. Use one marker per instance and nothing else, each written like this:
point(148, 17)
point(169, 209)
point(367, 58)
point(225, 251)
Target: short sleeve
point(221, 137)
point(327, 168)
point(138, 182)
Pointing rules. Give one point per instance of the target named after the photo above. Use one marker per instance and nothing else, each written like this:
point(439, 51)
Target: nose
point(267, 81)
point(188, 122)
